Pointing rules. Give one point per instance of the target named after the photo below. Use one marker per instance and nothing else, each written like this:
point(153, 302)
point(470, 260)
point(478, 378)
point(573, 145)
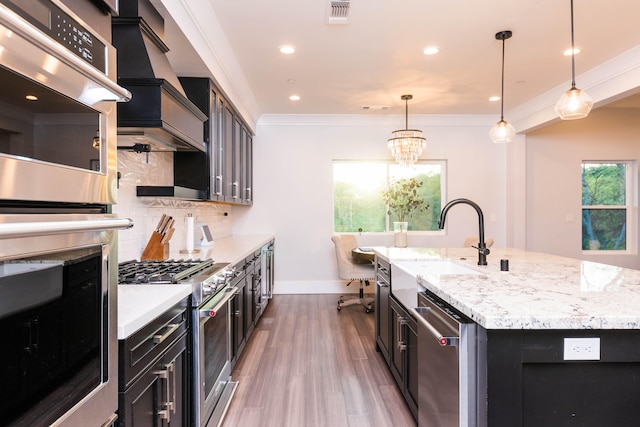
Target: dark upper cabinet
point(225, 172)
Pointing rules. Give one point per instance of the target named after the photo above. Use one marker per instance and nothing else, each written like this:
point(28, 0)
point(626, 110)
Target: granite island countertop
point(540, 291)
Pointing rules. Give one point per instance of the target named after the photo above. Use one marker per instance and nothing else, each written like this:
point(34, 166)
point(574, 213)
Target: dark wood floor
point(308, 364)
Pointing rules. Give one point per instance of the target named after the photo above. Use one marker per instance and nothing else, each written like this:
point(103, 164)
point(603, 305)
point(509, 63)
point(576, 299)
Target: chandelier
point(406, 145)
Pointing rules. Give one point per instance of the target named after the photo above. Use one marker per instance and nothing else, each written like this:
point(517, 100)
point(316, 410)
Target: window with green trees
point(606, 205)
point(358, 200)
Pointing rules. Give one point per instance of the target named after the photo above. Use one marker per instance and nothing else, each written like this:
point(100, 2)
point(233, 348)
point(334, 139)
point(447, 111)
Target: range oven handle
point(13, 22)
point(13, 230)
point(206, 311)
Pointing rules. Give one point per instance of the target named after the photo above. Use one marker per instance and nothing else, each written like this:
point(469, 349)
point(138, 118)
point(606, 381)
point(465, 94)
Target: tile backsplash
point(157, 169)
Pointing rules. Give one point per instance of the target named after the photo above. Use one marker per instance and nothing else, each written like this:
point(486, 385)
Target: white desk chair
point(348, 270)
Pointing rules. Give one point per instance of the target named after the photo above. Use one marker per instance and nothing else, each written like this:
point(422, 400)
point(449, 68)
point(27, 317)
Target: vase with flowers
point(403, 200)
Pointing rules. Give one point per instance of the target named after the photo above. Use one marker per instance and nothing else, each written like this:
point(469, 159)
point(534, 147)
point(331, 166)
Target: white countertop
point(140, 304)
point(539, 291)
point(231, 249)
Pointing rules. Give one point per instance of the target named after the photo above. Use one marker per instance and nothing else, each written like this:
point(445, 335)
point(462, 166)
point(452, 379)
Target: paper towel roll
point(190, 232)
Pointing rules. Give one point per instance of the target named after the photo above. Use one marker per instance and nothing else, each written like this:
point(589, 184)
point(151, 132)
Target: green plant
point(402, 198)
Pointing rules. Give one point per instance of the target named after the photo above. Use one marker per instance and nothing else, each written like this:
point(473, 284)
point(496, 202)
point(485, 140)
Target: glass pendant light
point(406, 144)
point(502, 131)
point(575, 103)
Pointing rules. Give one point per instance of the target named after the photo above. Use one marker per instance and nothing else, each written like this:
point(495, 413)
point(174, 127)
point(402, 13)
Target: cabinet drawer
point(141, 349)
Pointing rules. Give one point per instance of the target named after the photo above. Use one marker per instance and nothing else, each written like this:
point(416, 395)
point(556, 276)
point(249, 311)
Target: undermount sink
point(438, 267)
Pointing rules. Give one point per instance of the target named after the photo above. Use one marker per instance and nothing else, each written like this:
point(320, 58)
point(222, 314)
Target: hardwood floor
point(308, 364)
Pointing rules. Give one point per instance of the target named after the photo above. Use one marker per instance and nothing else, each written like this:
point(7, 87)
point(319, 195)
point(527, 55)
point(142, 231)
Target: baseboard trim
point(320, 287)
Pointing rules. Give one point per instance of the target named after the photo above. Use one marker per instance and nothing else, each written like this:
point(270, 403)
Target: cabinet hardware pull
point(165, 413)
point(218, 185)
point(171, 328)
point(401, 322)
point(171, 368)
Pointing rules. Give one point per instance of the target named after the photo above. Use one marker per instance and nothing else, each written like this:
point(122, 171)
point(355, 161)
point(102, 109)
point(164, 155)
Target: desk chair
point(348, 270)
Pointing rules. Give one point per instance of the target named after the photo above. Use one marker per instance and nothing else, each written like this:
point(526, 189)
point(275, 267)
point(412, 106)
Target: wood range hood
point(159, 113)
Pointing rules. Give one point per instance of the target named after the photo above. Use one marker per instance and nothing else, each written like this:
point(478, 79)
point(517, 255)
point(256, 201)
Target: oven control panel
point(63, 28)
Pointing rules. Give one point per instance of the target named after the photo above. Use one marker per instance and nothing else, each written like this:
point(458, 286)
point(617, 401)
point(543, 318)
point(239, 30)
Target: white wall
point(293, 186)
point(553, 164)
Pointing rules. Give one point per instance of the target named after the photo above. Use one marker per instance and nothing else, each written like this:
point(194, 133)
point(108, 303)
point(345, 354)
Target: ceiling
point(377, 56)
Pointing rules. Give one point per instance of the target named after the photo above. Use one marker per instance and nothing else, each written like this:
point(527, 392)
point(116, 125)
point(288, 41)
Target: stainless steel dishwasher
point(446, 365)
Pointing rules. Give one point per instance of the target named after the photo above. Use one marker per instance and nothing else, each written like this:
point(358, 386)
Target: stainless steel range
point(212, 296)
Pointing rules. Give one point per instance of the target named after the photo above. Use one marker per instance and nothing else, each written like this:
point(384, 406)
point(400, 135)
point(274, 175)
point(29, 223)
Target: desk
point(363, 255)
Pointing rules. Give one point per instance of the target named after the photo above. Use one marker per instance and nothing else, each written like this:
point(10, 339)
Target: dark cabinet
point(404, 353)
point(157, 398)
point(154, 379)
point(396, 336)
point(247, 190)
point(247, 303)
point(237, 314)
point(383, 293)
point(527, 380)
point(238, 159)
point(248, 297)
point(225, 172)
point(253, 291)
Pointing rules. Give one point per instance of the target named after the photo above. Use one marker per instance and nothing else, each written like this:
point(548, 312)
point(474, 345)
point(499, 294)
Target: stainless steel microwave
point(58, 96)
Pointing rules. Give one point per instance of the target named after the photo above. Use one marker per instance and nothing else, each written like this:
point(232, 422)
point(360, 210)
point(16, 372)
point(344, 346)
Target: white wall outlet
point(582, 349)
point(569, 218)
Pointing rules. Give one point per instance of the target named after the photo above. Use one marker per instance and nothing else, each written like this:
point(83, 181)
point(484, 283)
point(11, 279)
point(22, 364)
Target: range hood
point(159, 113)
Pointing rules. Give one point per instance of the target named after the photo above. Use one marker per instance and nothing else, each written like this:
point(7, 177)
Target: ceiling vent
point(338, 11)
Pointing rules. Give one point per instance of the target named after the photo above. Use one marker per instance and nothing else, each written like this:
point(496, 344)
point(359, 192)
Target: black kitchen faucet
point(483, 251)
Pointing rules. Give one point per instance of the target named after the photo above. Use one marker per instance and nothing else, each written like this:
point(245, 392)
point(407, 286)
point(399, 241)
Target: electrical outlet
point(582, 349)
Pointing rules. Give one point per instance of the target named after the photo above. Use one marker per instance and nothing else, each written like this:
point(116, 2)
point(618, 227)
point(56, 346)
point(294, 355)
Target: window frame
point(631, 203)
point(389, 225)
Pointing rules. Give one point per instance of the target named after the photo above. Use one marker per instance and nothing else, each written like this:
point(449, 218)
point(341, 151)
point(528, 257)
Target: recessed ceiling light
point(31, 98)
point(375, 107)
point(494, 98)
point(431, 50)
point(568, 51)
point(294, 97)
point(287, 50)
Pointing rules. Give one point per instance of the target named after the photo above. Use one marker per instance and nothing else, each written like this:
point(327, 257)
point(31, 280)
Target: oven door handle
point(30, 229)
point(210, 309)
point(114, 92)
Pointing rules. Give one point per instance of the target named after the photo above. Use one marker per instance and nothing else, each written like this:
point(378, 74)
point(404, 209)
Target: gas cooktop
point(165, 271)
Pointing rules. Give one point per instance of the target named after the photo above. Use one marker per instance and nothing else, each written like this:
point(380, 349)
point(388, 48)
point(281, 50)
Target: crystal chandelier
point(406, 145)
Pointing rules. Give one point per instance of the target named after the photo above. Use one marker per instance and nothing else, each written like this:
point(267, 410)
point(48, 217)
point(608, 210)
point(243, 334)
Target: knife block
point(155, 250)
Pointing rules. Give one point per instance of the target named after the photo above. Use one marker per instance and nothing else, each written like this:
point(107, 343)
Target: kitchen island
point(557, 339)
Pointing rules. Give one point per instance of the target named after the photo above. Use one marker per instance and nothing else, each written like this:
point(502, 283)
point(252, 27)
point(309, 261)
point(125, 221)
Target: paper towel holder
point(190, 238)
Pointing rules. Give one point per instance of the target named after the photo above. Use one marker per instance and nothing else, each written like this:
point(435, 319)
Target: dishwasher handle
point(440, 337)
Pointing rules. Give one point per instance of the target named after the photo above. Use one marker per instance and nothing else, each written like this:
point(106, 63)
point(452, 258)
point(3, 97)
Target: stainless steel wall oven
point(58, 241)
point(58, 364)
point(57, 109)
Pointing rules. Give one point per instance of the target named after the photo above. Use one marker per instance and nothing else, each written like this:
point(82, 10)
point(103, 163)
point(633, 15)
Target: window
point(358, 204)
point(607, 205)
